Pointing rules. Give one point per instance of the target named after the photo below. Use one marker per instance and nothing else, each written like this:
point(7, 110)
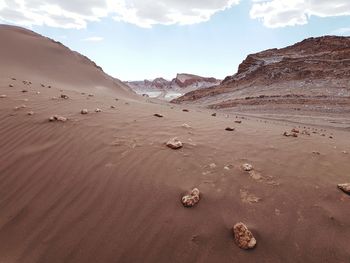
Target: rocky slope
point(178, 86)
point(315, 71)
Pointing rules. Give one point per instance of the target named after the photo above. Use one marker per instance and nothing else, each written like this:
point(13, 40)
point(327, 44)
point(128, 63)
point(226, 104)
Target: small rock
point(57, 118)
point(316, 152)
point(330, 137)
point(20, 107)
point(305, 132)
point(229, 129)
point(84, 111)
point(13, 78)
point(288, 134)
point(11, 86)
point(3, 96)
point(239, 122)
point(243, 237)
point(191, 199)
point(42, 85)
point(214, 115)
point(295, 131)
point(30, 113)
point(247, 167)
point(63, 96)
point(98, 110)
point(158, 115)
point(212, 165)
point(38, 92)
point(174, 144)
point(112, 107)
point(24, 90)
point(91, 95)
point(185, 110)
point(185, 125)
point(344, 152)
point(345, 188)
point(49, 87)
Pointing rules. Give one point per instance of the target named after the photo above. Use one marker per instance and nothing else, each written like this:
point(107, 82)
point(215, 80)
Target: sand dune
point(103, 187)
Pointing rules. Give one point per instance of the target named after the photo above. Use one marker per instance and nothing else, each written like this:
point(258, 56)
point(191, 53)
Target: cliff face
point(313, 67)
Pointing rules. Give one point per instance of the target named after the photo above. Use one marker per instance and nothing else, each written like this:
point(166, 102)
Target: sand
point(103, 187)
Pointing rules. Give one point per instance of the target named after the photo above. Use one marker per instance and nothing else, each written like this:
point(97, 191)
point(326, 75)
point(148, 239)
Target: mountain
point(315, 71)
point(178, 86)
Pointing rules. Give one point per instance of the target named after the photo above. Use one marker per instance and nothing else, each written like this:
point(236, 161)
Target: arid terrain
point(86, 176)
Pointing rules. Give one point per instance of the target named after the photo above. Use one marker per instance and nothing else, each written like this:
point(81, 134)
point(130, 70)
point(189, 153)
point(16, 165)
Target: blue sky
point(132, 49)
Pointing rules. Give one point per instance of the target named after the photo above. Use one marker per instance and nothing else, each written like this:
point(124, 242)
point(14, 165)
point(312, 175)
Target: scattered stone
point(57, 118)
point(91, 95)
point(214, 115)
point(185, 125)
point(158, 115)
point(30, 113)
point(316, 152)
point(243, 237)
point(63, 96)
point(230, 129)
point(11, 86)
point(3, 96)
point(212, 165)
point(239, 122)
point(98, 110)
point(84, 111)
point(185, 110)
point(174, 143)
point(247, 167)
point(288, 134)
point(191, 199)
point(345, 188)
point(24, 90)
point(295, 131)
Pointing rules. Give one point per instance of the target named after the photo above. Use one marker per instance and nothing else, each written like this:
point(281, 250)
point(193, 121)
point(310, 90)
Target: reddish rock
point(243, 237)
point(191, 199)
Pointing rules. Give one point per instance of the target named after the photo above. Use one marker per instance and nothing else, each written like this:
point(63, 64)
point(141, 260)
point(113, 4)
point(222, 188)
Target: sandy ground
point(103, 187)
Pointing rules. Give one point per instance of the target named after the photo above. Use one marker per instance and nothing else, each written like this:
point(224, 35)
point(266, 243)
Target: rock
point(191, 199)
point(57, 118)
point(112, 107)
point(239, 122)
point(13, 78)
point(30, 113)
point(49, 87)
point(243, 237)
point(42, 85)
point(63, 96)
point(295, 131)
point(288, 134)
point(3, 96)
point(247, 167)
point(185, 110)
point(91, 95)
point(305, 132)
point(20, 107)
point(38, 92)
point(344, 152)
point(84, 111)
point(214, 115)
point(174, 143)
point(185, 125)
point(98, 110)
point(331, 137)
point(316, 152)
point(212, 165)
point(158, 115)
point(229, 129)
point(11, 86)
point(345, 188)
point(24, 90)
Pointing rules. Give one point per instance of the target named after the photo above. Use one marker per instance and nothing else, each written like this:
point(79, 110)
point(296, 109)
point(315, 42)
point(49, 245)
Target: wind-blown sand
point(103, 187)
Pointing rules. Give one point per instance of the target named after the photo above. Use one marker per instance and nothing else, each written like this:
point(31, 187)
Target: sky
point(145, 39)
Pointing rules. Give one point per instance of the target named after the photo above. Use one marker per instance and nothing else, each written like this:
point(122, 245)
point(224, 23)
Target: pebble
point(84, 111)
point(30, 113)
point(239, 122)
point(24, 90)
point(288, 134)
point(185, 125)
point(112, 107)
point(230, 129)
point(63, 96)
point(158, 115)
point(185, 110)
point(98, 110)
point(57, 118)
point(91, 95)
point(316, 152)
point(11, 86)
point(214, 115)
point(3, 96)
point(345, 188)
point(247, 167)
point(243, 237)
point(174, 143)
point(191, 199)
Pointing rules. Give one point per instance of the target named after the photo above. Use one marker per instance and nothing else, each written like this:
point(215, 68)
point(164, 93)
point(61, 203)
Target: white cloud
point(77, 13)
point(342, 31)
point(280, 13)
point(93, 39)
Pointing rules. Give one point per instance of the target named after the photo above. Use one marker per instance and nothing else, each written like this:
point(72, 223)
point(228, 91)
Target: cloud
point(78, 13)
point(342, 31)
point(280, 13)
point(93, 39)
